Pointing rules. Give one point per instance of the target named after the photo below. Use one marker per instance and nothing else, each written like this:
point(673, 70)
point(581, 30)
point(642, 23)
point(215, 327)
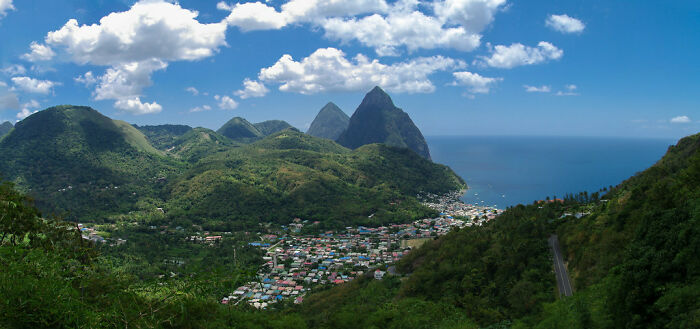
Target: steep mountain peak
point(378, 120)
point(329, 123)
point(377, 97)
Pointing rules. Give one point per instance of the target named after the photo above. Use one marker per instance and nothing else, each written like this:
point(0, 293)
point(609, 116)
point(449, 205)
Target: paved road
point(563, 282)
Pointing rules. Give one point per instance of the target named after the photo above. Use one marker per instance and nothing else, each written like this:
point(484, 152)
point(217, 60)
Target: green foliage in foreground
point(52, 278)
point(635, 259)
point(471, 278)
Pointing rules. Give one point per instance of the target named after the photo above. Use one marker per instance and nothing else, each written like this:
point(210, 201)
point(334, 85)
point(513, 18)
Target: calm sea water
point(506, 171)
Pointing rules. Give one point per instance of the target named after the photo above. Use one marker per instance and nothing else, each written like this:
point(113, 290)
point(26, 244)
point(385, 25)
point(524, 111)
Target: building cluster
point(450, 204)
point(295, 264)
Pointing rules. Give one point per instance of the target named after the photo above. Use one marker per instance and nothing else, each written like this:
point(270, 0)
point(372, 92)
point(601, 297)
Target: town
point(295, 264)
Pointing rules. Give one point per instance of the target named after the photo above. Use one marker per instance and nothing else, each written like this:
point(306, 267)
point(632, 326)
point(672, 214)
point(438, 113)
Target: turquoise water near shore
point(508, 170)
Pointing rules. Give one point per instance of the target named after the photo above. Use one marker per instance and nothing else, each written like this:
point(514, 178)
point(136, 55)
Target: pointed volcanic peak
point(270, 127)
point(5, 128)
point(378, 120)
point(329, 123)
point(239, 129)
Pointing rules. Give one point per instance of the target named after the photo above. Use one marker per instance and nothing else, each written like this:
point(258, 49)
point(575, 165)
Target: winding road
point(563, 282)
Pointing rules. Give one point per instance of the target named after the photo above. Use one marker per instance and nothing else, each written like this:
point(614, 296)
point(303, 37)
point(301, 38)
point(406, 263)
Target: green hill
point(290, 174)
point(5, 128)
point(240, 129)
point(329, 123)
point(73, 159)
point(638, 251)
point(162, 136)
point(198, 143)
point(270, 127)
point(378, 120)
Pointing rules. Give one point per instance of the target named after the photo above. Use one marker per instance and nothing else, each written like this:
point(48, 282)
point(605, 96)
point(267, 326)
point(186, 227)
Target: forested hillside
point(84, 166)
point(632, 254)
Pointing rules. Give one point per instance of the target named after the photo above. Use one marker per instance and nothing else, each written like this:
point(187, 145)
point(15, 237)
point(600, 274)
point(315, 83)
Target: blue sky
point(458, 67)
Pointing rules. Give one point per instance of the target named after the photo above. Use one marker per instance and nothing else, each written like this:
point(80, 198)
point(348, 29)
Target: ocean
point(504, 171)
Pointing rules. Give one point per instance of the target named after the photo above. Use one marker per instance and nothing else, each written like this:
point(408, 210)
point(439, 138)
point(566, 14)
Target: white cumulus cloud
point(518, 54)
point(5, 6)
point(565, 24)
point(328, 69)
point(14, 70)
point(225, 102)
point(251, 16)
point(39, 53)
point(473, 15)
point(570, 90)
point(201, 108)
point(413, 30)
point(475, 83)
point(88, 79)
point(135, 106)
point(252, 89)
point(680, 119)
point(453, 24)
point(536, 89)
point(136, 43)
point(192, 90)
point(34, 86)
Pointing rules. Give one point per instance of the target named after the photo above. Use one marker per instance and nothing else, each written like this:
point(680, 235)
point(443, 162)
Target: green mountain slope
point(73, 159)
point(270, 127)
point(329, 123)
point(240, 129)
point(638, 251)
point(198, 143)
point(290, 174)
point(162, 136)
point(378, 120)
point(5, 128)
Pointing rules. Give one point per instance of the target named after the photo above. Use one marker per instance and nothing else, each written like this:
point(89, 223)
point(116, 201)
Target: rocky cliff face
point(378, 120)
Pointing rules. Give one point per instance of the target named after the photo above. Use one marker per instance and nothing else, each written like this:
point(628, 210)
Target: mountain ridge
point(378, 120)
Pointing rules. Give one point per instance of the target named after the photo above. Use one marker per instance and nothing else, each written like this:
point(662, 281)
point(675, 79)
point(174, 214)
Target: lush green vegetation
point(163, 136)
point(87, 167)
point(240, 130)
point(290, 174)
point(635, 259)
point(82, 165)
point(5, 128)
point(52, 278)
point(270, 127)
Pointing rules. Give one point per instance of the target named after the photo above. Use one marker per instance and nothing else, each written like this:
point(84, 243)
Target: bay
point(504, 171)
